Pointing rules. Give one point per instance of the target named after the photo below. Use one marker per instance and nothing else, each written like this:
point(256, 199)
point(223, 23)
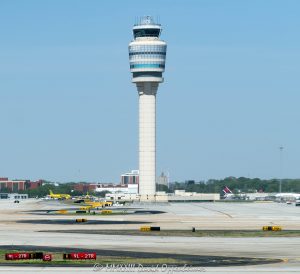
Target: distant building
point(130, 178)
point(12, 185)
point(122, 197)
point(18, 185)
point(33, 185)
point(108, 187)
point(82, 187)
point(13, 196)
point(181, 195)
point(161, 196)
point(163, 179)
point(125, 189)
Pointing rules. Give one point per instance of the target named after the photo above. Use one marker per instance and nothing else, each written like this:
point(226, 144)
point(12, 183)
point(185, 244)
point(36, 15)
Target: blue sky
point(69, 111)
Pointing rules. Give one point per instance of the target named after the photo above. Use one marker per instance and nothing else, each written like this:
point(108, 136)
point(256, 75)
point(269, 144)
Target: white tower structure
point(147, 56)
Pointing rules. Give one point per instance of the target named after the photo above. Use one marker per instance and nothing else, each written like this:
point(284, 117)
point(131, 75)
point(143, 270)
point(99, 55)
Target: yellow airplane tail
point(51, 193)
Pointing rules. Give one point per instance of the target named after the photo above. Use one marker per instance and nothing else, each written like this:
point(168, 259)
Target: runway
point(177, 216)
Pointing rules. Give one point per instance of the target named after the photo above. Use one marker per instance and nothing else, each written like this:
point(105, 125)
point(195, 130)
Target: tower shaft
point(147, 58)
point(147, 140)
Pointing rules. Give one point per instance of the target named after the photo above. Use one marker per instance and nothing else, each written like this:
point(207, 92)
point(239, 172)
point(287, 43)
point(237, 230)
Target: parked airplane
point(59, 196)
point(226, 190)
point(288, 197)
point(227, 193)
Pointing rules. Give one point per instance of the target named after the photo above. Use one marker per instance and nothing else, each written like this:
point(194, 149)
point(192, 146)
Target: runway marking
point(226, 214)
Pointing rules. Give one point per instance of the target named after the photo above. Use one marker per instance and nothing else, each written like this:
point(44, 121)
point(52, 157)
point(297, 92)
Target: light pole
point(281, 160)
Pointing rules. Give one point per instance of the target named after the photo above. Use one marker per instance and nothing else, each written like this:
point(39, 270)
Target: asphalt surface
point(118, 210)
point(178, 216)
point(191, 260)
point(73, 222)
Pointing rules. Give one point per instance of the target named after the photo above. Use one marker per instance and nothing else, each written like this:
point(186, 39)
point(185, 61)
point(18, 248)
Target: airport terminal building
point(13, 196)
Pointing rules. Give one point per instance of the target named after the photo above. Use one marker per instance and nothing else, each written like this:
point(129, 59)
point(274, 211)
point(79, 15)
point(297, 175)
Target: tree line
point(238, 185)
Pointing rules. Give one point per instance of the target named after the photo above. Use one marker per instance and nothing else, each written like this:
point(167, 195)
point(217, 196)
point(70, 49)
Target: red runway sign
point(47, 257)
point(17, 256)
point(81, 256)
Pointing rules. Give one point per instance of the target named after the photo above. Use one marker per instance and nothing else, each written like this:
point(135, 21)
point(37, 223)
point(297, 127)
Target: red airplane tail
point(226, 190)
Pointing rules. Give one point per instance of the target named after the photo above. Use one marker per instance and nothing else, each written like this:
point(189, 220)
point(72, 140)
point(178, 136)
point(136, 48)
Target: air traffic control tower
point(147, 56)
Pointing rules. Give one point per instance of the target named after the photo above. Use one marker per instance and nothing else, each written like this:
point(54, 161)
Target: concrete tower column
point(147, 58)
point(147, 140)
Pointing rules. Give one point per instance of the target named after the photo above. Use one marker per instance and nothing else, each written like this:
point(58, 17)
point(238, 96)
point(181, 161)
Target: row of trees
point(238, 185)
point(65, 188)
point(44, 190)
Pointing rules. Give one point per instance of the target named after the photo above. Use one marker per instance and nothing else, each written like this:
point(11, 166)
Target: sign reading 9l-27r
point(23, 256)
point(17, 256)
point(80, 256)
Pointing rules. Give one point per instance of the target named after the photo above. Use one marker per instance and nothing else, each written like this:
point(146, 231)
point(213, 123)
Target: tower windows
point(135, 66)
point(146, 32)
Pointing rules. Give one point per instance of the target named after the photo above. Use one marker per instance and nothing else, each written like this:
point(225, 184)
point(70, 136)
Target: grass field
point(189, 233)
